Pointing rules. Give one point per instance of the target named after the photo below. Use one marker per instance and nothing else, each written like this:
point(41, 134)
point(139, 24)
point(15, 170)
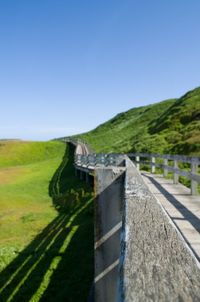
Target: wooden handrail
point(192, 175)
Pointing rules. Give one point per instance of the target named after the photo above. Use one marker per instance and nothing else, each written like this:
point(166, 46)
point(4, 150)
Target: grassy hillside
point(15, 153)
point(171, 126)
point(46, 238)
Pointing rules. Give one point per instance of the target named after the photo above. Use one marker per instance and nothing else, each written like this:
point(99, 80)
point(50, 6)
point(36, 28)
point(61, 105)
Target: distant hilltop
point(171, 126)
point(10, 139)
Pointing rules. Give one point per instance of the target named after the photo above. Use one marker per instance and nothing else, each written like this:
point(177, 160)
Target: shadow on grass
point(58, 264)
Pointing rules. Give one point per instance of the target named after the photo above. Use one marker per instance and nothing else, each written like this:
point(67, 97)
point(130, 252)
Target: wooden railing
point(76, 141)
point(94, 160)
point(161, 161)
point(150, 159)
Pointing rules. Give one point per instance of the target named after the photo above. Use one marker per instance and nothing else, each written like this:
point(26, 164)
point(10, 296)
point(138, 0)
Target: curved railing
point(78, 142)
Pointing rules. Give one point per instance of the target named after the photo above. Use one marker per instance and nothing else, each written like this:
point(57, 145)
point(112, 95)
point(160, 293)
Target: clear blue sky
point(66, 66)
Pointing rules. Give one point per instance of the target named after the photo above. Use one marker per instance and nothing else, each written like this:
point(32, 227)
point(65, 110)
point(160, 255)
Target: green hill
point(46, 221)
point(17, 153)
point(171, 126)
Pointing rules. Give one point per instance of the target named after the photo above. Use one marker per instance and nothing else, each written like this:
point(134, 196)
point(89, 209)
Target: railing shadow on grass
point(58, 264)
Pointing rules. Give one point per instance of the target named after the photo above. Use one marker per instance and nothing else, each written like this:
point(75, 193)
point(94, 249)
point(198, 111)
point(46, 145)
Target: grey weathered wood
point(194, 184)
point(137, 158)
point(153, 161)
point(87, 160)
point(176, 176)
point(183, 208)
point(165, 173)
point(180, 158)
point(191, 175)
point(106, 160)
point(156, 264)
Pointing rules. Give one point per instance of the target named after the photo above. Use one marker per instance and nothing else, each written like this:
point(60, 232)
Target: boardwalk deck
point(182, 207)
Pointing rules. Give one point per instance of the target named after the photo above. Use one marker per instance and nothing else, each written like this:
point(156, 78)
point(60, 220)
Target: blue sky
point(67, 66)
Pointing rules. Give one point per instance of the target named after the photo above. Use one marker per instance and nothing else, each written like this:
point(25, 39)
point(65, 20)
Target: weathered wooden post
point(176, 176)
point(165, 170)
point(137, 159)
point(91, 160)
point(153, 167)
point(194, 184)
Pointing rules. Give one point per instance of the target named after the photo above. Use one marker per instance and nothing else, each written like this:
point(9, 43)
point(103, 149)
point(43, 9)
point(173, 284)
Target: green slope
point(171, 126)
point(46, 222)
point(15, 153)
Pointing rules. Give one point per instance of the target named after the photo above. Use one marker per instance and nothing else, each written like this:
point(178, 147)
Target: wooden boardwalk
point(182, 207)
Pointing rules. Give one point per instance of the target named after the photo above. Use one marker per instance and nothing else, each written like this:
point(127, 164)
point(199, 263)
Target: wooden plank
point(182, 207)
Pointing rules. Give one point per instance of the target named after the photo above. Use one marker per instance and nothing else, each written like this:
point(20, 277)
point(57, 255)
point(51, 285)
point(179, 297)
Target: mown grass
point(22, 152)
point(171, 126)
point(46, 239)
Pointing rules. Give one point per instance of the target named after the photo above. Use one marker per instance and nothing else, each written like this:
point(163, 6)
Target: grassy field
point(46, 224)
point(171, 126)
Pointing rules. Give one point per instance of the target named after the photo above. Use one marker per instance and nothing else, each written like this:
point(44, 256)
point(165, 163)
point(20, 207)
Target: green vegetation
point(171, 126)
point(15, 153)
point(46, 239)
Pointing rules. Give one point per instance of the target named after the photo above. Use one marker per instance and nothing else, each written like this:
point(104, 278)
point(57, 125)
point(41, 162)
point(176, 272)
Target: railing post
point(165, 172)
point(91, 160)
point(153, 161)
point(176, 176)
point(110, 160)
point(102, 159)
point(194, 184)
point(137, 159)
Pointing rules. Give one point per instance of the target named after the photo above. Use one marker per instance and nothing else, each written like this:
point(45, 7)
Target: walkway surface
point(182, 207)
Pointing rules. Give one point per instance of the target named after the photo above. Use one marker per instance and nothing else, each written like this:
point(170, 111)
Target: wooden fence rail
point(95, 160)
point(150, 159)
